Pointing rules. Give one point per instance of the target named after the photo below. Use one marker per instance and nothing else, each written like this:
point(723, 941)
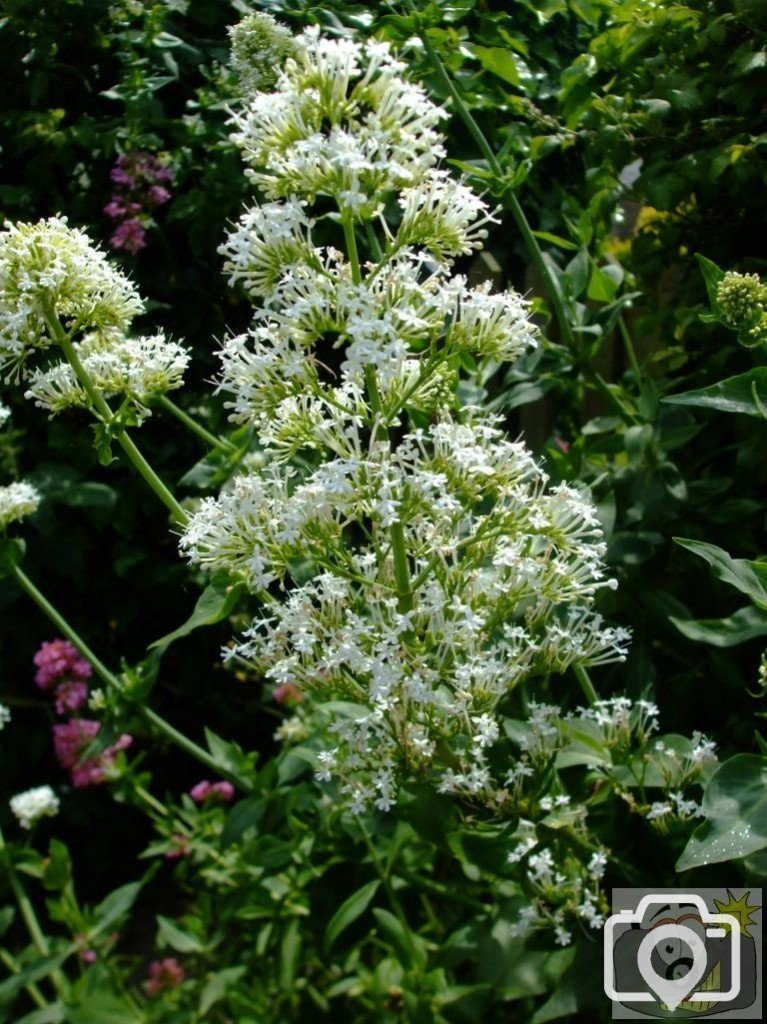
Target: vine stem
point(110, 679)
point(196, 428)
point(100, 406)
point(30, 918)
point(396, 530)
point(508, 196)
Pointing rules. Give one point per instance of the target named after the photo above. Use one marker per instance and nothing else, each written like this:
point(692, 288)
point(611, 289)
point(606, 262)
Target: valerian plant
point(423, 590)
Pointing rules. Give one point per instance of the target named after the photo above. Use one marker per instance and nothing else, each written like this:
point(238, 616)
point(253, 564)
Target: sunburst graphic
point(740, 909)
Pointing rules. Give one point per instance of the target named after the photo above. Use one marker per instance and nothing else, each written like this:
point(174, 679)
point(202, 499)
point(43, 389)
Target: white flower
point(5, 716)
point(17, 501)
point(5, 414)
point(562, 936)
point(34, 804)
point(443, 216)
point(136, 368)
point(49, 270)
point(659, 809)
point(597, 865)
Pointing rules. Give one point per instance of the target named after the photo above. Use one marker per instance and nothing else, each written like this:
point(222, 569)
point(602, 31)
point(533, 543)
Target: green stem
point(631, 354)
point(150, 800)
point(111, 680)
point(351, 247)
point(586, 684)
point(101, 407)
point(508, 196)
point(34, 992)
point(205, 435)
point(30, 918)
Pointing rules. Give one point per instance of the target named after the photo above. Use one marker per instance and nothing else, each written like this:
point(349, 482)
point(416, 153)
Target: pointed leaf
point(749, 578)
point(745, 393)
point(745, 624)
point(735, 803)
point(215, 603)
point(350, 910)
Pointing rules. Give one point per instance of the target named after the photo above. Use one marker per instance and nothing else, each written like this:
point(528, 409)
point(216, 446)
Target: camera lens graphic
point(682, 954)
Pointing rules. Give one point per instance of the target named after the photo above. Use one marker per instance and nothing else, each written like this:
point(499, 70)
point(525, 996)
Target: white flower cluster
point(136, 369)
point(425, 570)
point(34, 804)
point(17, 501)
point(343, 121)
point(49, 270)
point(259, 47)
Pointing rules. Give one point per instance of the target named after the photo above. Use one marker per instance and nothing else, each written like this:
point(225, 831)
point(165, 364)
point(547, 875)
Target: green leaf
point(116, 905)
point(561, 243)
point(104, 1008)
point(290, 949)
point(750, 578)
point(214, 604)
point(57, 870)
point(184, 942)
point(217, 986)
point(40, 969)
point(604, 283)
point(743, 625)
point(53, 1014)
point(735, 803)
point(350, 910)
point(500, 62)
point(576, 273)
point(712, 275)
point(408, 946)
point(736, 394)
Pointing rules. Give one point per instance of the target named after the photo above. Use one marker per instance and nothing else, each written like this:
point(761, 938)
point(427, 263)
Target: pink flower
point(163, 975)
point(180, 847)
point(157, 195)
point(287, 693)
point(58, 660)
point(223, 791)
point(70, 696)
point(130, 235)
point(70, 741)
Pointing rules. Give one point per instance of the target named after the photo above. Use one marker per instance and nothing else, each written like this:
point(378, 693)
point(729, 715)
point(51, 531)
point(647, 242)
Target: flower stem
point(586, 684)
point(101, 407)
point(629, 347)
point(34, 992)
point(111, 680)
point(508, 196)
point(210, 439)
point(30, 919)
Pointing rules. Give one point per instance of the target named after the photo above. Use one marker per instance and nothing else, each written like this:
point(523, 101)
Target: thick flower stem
point(100, 406)
point(586, 684)
point(396, 531)
point(30, 919)
point(111, 680)
point(196, 428)
point(508, 196)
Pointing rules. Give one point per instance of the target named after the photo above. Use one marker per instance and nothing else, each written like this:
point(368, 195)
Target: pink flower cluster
point(139, 188)
point(60, 666)
point(220, 791)
point(72, 739)
point(62, 669)
point(163, 975)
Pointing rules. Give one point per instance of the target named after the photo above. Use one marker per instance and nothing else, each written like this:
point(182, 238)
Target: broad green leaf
point(743, 625)
point(735, 803)
point(499, 61)
point(104, 1008)
point(742, 394)
point(184, 942)
point(290, 949)
point(749, 578)
point(350, 910)
point(214, 604)
point(217, 985)
point(55, 1013)
point(576, 273)
point(604, 283)
point(57, 869)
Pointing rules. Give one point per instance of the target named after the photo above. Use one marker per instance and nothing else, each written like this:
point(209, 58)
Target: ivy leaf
point(736, 394)
point(750, 578)
point(743, 625)
point(735, 803)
